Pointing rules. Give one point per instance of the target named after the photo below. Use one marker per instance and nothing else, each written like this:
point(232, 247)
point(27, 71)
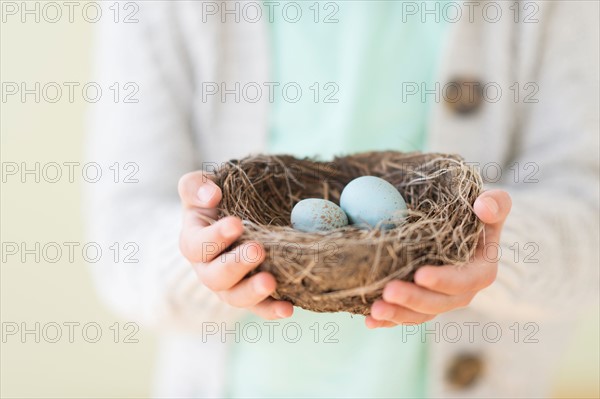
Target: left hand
point(439, 289)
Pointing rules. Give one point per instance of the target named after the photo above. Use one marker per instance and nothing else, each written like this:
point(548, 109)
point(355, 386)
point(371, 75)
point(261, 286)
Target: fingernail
point(228, 231)
point(423, 277)
point(280, 313)
point(387, 313)
point(491, 204)
point(383, 313)
point(373, 325)
point(261, 288)
point(206, 192)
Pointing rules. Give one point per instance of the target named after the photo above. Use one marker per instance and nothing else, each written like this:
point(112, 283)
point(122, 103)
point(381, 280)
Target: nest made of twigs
point(346, 269)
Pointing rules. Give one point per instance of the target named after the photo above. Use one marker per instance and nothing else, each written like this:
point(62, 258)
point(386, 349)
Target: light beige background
point(45, 212)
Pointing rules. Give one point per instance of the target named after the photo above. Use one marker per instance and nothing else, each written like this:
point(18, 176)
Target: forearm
point(154, 284)
point(153, 134)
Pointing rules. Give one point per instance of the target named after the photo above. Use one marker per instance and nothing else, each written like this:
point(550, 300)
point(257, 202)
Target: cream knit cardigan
point(171, 131)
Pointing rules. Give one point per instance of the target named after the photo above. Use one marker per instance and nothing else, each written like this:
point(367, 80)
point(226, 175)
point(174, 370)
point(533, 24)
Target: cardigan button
point(463, 96)
point(464, 370)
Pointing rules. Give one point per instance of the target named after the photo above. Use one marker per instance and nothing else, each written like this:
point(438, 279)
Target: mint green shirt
point(352, 74)
point(365, 62)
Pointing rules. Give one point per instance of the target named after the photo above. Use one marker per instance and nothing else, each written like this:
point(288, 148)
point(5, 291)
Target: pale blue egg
point(314, 214)
point(370, 200)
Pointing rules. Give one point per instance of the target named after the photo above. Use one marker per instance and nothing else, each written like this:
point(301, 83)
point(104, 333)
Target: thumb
point(197, 190)
point(492, 208)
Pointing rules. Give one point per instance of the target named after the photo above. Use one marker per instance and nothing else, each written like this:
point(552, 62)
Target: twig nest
point(345, 269)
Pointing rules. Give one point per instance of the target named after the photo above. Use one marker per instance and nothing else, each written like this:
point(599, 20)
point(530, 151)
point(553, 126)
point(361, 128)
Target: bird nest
point(346, 269)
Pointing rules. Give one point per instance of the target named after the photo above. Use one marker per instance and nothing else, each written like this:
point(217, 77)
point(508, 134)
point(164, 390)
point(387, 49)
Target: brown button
point(463, 96)
point(464, 370)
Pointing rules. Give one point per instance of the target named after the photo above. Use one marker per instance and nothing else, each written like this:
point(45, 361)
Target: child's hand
point(223, 272)
point(439, 289)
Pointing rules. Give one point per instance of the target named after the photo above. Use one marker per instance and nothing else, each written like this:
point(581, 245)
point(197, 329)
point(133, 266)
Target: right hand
point(203, 244)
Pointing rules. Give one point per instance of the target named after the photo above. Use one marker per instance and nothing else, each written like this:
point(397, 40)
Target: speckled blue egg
point(370, 200)
point(314, 214)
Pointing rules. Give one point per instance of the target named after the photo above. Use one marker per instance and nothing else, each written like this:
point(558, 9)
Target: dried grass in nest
point(346, 269)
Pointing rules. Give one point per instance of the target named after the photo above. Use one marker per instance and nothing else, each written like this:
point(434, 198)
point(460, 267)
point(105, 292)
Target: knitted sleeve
point(145, 133)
